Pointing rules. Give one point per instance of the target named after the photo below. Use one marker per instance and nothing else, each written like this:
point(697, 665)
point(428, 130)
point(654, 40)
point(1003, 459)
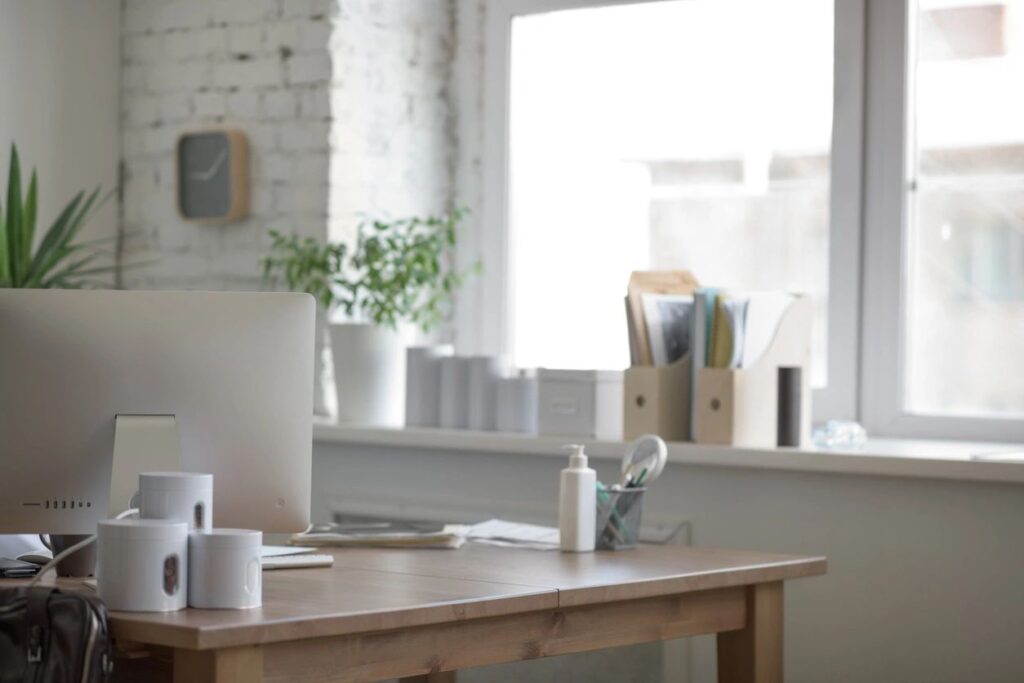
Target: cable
point(67, 552)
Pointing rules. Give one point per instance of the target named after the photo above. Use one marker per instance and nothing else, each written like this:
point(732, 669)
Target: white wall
point(924, 580)
point(258, 65)
point(392, 144)
point(59, 89)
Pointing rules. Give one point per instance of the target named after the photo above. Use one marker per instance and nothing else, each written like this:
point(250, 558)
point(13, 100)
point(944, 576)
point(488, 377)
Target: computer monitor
point(231, 371)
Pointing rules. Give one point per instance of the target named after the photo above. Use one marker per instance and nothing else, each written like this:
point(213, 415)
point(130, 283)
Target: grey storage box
point(581, 403)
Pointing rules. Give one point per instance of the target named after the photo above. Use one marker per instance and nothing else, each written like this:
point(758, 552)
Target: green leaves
point(59, 261)
point(305, 265)
point(400, 270)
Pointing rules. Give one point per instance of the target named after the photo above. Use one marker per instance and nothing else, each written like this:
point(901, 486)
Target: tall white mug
point(224, 569)
point(180, 496)
point(143, 564)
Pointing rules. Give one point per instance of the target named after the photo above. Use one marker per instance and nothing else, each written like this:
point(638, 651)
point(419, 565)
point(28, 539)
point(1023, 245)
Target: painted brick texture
point(345, 105)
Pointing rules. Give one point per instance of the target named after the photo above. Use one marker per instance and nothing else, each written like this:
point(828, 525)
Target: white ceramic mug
point(182, 496)
point(224, 569)
point(143, 564)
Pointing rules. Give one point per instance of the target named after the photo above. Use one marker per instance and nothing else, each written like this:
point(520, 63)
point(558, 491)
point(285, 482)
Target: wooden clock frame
point(238, 159)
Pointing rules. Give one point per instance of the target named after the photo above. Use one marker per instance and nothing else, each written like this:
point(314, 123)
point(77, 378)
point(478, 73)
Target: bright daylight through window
point(965, 280)
point(664, 135)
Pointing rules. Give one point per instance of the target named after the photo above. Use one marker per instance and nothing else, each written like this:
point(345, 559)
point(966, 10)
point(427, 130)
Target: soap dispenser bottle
point(577, 504)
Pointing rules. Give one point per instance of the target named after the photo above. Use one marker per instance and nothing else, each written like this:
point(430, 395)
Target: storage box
point(581, 403)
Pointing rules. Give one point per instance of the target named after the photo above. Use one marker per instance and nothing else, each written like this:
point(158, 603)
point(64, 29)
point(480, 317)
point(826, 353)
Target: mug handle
point(253, 575)
point(45, 540)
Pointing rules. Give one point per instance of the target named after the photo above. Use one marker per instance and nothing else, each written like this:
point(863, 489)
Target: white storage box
point(586, 403)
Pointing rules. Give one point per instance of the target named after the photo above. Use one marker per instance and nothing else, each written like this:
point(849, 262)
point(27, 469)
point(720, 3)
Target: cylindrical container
point(619, 513)
point(517, 403)
point(80, 563)
point(181, 496)
point(143, 564)
point(482, 392)
point(577, 504)
point(454, 404)
point(423, 384)
point(224, 569)
point(789, 428)
point(369, 374)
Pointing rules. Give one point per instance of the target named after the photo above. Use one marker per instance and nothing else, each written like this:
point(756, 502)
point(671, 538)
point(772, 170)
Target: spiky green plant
point(59, 260)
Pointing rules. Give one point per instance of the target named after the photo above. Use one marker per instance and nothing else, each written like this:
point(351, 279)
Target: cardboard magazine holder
point(740, 407)
point(657, 400)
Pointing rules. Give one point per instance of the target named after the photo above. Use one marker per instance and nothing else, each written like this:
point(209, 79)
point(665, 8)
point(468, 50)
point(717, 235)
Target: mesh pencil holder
point(619, 513)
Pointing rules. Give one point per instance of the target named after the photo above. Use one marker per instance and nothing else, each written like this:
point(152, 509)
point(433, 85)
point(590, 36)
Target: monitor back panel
point(235, 369)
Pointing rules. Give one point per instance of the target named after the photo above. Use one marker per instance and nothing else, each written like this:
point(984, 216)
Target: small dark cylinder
point(789, 408)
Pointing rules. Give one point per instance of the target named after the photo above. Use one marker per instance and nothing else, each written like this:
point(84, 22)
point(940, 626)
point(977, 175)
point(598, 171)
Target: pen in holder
point(619, 511)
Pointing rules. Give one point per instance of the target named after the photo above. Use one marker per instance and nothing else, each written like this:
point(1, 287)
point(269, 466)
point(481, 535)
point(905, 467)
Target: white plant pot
point(369, 374)
point(320, 406)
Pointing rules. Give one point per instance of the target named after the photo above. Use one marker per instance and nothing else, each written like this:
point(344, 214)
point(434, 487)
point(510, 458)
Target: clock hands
point(212, 171)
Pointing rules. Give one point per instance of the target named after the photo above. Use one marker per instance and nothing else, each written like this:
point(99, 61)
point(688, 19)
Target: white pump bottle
point(577, 504)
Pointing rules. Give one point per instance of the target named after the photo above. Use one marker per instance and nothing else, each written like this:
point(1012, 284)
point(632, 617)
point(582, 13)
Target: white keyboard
point(297, 561)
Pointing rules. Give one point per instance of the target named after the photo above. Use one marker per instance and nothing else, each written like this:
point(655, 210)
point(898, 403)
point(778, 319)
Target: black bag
point(48, 635)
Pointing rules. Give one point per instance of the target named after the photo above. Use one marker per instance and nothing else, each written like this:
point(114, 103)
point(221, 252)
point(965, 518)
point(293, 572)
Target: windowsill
point(882, 457)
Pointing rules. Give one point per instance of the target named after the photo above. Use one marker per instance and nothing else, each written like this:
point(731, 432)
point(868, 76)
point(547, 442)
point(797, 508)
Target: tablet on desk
point(16, 569)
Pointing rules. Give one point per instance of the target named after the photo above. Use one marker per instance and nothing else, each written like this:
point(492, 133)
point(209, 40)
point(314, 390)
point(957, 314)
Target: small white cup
point(182, 496)
point(224, 569)
point(143, 564)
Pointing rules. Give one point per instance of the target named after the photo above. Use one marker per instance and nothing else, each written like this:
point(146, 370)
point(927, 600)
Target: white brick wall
point(391, 142)
point(345, 104)
point(188, 64)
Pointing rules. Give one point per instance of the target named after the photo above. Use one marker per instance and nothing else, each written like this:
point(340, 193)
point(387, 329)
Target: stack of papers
point(448, 536)
point(421, 535)
point(734, 329)
point(513, 534)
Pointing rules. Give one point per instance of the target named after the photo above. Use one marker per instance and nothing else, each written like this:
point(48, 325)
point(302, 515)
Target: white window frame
point(889, 102)
point(869, 172)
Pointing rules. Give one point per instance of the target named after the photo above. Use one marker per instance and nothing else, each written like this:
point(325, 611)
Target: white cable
point(67, 552)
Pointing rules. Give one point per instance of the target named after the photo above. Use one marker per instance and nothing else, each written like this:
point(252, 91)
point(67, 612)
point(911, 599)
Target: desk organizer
point(740, 407)
point(657, 401)
point(619, 513)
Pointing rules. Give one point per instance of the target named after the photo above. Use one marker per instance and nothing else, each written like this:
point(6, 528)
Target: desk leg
point(436, 677)
point(754, 653)
point(229, 665)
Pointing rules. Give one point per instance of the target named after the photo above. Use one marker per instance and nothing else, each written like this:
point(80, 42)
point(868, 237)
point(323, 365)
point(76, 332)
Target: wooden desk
point(423, 613)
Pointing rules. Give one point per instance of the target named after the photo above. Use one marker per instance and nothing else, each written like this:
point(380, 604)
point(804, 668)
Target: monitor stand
point(142, 443)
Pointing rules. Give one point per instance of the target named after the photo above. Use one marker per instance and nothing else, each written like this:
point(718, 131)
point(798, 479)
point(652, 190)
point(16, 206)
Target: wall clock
point(212, 169)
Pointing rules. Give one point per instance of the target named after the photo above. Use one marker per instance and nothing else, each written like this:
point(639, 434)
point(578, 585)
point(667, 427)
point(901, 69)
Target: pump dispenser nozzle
point(577, 458)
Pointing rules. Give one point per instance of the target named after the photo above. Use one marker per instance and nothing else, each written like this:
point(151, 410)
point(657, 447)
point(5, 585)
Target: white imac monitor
point(231, 373)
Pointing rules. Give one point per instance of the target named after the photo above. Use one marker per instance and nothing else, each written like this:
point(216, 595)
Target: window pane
point(965, 308)
point(692, 134)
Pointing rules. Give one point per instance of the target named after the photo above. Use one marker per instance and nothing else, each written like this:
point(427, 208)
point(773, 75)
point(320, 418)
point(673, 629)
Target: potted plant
point(58, 259)
point(398, 273)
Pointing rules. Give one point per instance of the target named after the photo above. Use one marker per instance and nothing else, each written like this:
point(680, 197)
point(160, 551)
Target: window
point(869, 152)
point(965, 256)
point(663, 135)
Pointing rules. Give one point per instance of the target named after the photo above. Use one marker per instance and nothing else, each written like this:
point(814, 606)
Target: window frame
point(869, 172)
point(888, 148)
